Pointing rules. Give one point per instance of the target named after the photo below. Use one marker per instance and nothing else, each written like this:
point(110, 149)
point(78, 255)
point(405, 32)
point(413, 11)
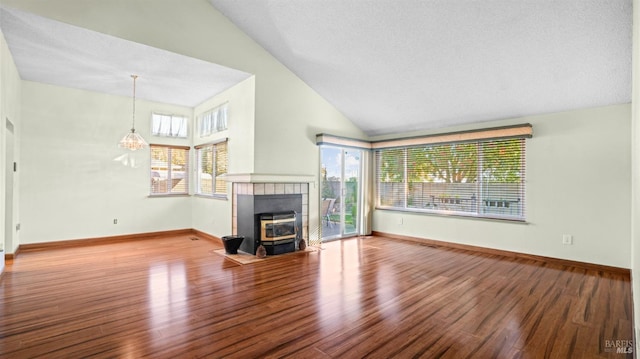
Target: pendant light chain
point(133, 125)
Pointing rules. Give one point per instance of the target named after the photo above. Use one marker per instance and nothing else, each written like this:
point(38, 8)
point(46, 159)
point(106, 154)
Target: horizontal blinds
point(502, 180)
point(221, 162)
point(212, 163)
point(480, 178)
point(169, 170)
point(205, 170)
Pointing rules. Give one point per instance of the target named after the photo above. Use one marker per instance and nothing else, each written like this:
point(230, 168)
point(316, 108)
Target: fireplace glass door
point(340, 189)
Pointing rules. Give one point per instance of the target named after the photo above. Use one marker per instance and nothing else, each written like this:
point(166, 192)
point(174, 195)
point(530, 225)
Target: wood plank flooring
point(172, 297)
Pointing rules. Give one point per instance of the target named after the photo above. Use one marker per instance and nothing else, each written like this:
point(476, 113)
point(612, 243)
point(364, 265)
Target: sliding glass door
point(340, 191)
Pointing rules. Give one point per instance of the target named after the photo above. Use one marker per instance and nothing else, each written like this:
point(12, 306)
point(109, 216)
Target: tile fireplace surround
point(273, 188)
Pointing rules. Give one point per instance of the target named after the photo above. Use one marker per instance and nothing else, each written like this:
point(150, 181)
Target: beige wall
point(635, 190)
point(578, 182)
point(75, 180)
point(241, 134)
point(213, 215)
point(10, 108)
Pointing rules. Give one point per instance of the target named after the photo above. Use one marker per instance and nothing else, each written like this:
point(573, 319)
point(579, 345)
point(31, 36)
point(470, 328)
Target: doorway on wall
point(8, 195)
point(340, 171)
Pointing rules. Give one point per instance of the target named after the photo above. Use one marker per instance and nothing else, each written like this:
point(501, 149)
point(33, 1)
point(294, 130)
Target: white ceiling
point(55, 53)
point(388, 65)
point(394, 66)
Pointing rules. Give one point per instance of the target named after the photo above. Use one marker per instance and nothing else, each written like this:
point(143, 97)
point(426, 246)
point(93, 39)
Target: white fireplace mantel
point(267, 178)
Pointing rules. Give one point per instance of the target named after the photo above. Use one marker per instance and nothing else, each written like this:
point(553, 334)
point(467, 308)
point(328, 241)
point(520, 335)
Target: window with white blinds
point(169, 170)
point(212, 162)
point(479, 178)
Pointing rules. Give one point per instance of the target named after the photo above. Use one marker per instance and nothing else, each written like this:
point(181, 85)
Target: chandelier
point(133, 140)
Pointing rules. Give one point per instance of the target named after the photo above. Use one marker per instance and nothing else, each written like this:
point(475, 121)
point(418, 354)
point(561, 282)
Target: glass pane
point(179, 127)
point(442, 177)
point(223, 117)
point(205, 177)
point(331, 173)
point(503, 178)
point(339, 190)
point(168, 125)
point(351, 180)
point(179, 171)
point(221, 168)
point(205, 124)
point(390, 177)
point(159, 169)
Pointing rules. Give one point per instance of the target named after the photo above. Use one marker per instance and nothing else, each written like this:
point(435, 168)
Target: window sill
point(460, 215)
point(168, 195)
point(222, 197)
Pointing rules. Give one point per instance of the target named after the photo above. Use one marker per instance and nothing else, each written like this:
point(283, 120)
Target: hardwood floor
point(363, 297)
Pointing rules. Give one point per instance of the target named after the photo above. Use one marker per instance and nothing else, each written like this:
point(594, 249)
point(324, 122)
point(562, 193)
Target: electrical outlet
point(18, 227)
point(400, 220)
point(115, 221)
point(567, 239)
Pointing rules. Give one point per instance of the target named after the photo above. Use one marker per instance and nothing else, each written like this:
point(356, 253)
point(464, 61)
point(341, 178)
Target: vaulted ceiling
point(60, 54)
point(389, 66)
point(395, 66)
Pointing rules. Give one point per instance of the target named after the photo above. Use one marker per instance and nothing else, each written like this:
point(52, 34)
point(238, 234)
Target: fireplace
point(278, 232)
point(251, 200)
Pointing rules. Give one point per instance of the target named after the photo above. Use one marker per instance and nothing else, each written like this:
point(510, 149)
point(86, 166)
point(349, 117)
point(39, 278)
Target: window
point(169, 170)
point(213, 121)
point(168, 125)
point(212, 162)
point(479, 178)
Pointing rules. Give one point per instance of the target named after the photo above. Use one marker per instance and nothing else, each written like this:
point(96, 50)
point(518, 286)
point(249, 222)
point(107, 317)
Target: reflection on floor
point(375, 297)
point(247, 258)
point(331, 230)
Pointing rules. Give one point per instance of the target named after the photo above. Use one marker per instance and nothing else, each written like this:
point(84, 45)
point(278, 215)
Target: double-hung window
point(212, 162)
point(481, 178)
point(169, 170)
point(214, 120)
point(168, 125)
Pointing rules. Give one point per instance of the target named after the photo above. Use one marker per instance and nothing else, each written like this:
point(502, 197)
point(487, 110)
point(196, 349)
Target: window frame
point(156, 181)
point(477, 200)
point(161, 116)
point(214, 146)
point(212, 117)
